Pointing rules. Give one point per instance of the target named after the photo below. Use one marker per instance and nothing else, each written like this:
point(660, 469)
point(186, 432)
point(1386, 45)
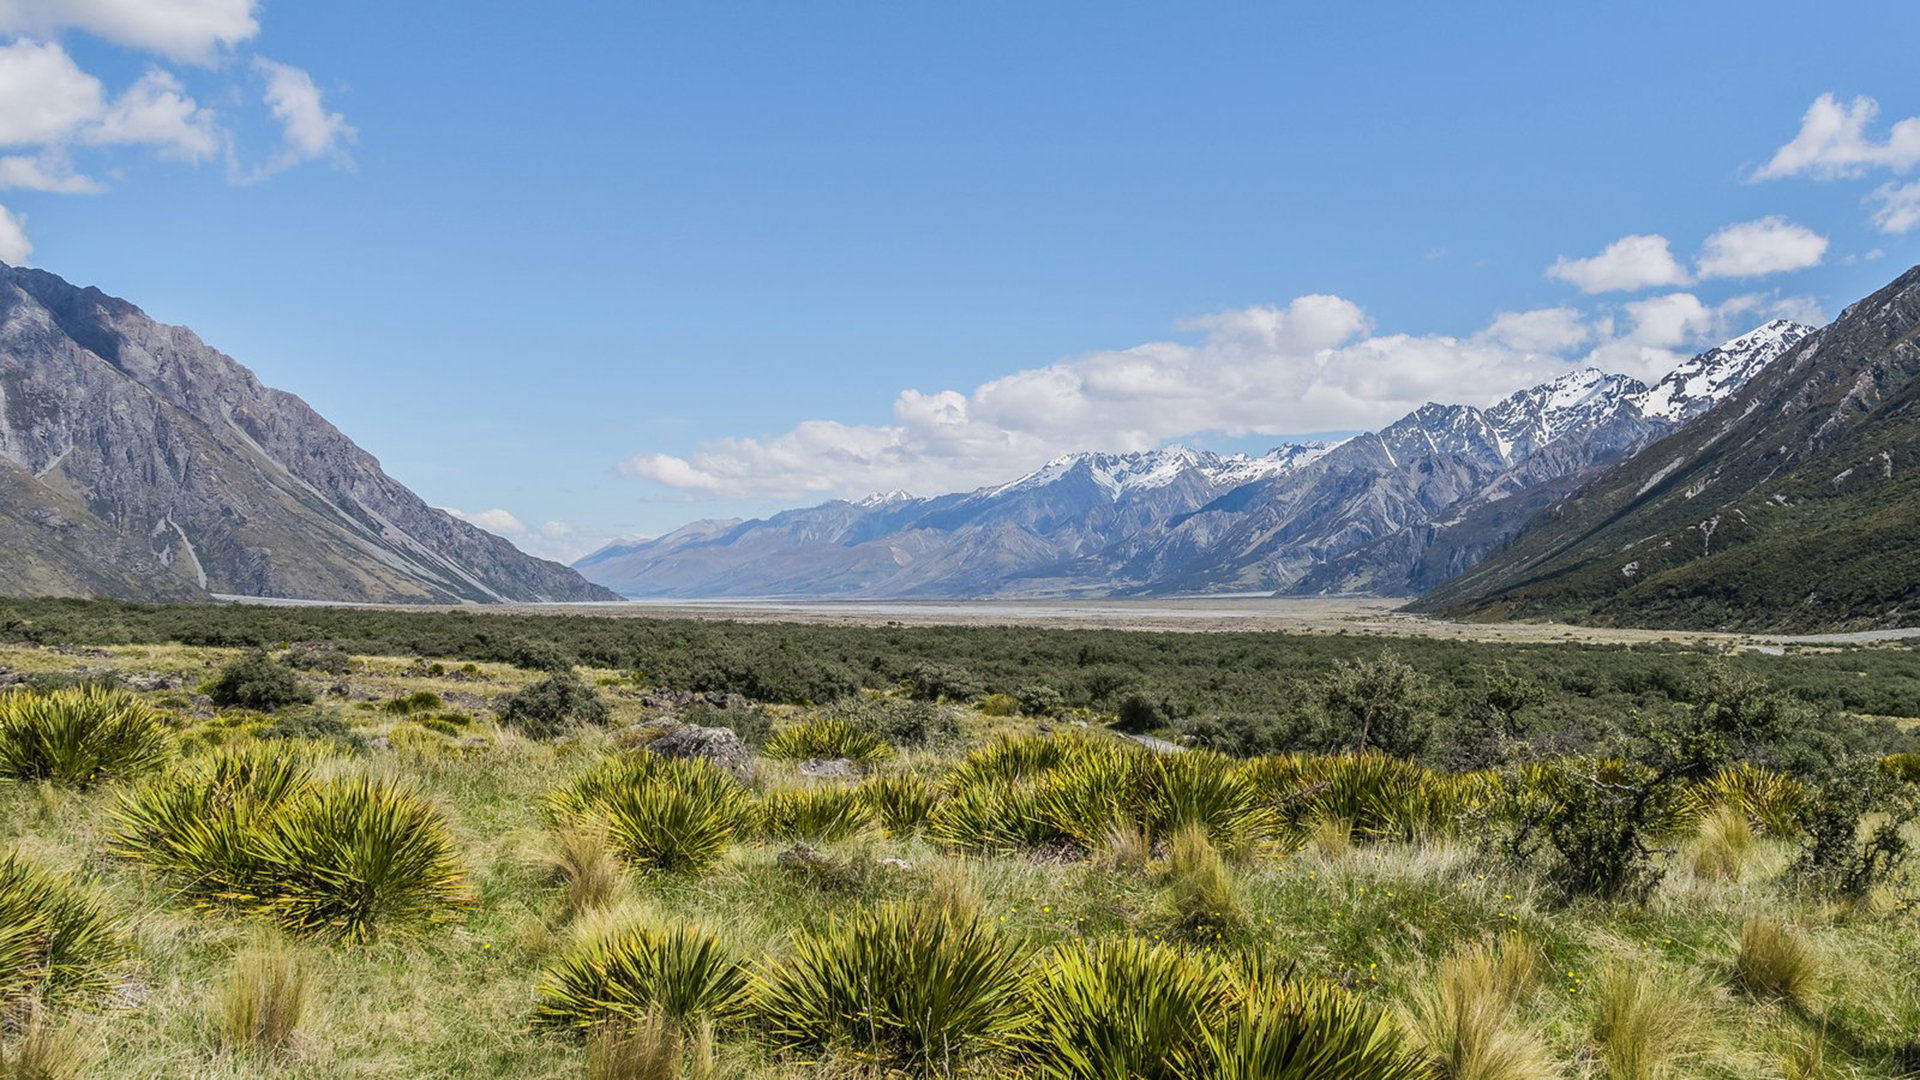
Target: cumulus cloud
point(308, 130)
point(46, 171)
point(555, 540)
point(1309, 365)
point(1628, 264)
point(1769, 245)
point(46, 101)
point(1896, 209)
point(1833, 142)
point(15, 249)
point(156, 111)
point(191, 30)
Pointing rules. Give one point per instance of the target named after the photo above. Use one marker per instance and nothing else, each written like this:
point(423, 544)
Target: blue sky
point(595, 269)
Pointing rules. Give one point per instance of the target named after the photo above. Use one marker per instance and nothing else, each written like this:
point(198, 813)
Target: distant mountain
point(1389, 512)
point(139, 463)
point(1793, 504)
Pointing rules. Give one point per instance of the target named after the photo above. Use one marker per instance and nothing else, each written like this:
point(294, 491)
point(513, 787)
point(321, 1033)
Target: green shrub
point(1040, 701)
point(1013, 757)
point(1001, 705)
point(752, 723)
point(1601, 818)
point(321, 658)
point(417, 702)
point(630, 972)
point(535, 655)
point(1902, 767)
point(1381, 797)
point(826, 813)
point(903, 986)
point(941, 682)
point(661, 814)
point(1291, 1031)
point(353, 856)
point(900, 802)
point(1121, 1007)
point(318, 725)
point(1835, 858)
point(900, 721)
point(1383, 704)
point(257, 681)
point(553, 706)
point(79, 737)
point(827, 737)
point(55, 939)
point(1206, 790)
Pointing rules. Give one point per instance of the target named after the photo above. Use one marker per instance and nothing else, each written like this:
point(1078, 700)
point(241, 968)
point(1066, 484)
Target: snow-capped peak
point(1702, 382)
point(1123, 474)
point(1530, 419)
point(882, 498)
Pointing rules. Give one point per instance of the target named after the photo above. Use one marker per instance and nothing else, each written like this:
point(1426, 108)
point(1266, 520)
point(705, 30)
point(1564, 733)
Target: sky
point(588, 270)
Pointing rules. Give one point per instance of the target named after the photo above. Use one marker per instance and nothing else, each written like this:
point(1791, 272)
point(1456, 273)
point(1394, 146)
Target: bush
point(827, 737)
point(1776, 963)
point(903, 986)
point(536, 656)
point(1040, 701)
point(1834, 858)
point(901, 721)
point(320, 658)
point(553, 706)
point(942, 682)
point(1382, 704)
point(353, 856)
point(661, 814)
point(417, 702)
point(1601, 818)
point(825, 813)
point(79, 737)
point(56, 941)
point(318, 725)
point(1122, 1008)
point(633, 971)
point(257, 681)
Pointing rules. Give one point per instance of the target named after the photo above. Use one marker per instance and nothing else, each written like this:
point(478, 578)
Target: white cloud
point(181, 29)
point(15, 248)
point(44, 96)
point(1628, 264)
point(156, 111)
point(1833, 142)
point(555, 540)
point(48, 171)
point(308, 130)
point(1310, 365)
point(1896, 208)
point(1770, 245)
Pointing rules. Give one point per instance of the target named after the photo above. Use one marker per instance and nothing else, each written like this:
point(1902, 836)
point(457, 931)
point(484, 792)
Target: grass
point(1775, 962)
point(1364, 929)
point(265, 998)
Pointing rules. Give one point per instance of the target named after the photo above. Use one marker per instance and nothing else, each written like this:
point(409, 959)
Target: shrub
point(662, 814)
point(417, 702)
point(993, 818)
point(265, 997)
point(257, 681)
point(78, 737)
point(828, 812)
point(1206, 790)
point(903, 986)
point(318, 725)
point(1121, 1008)
point(1040, 701)
point(354, 855)
point(536, 656)
point(1292, 1031)
point(553, 706)
point(1000, 705)
point(901, 721)
point(1464, 1020)
point(321, 658)
point(1834, 858)
point(55, 939)
point(901, 802)
point(827, 737)
point(1600, 817)
point(634, 970)
point(1382, 704)
point(1379, 797)
point(1776, 963)
point(942, 682)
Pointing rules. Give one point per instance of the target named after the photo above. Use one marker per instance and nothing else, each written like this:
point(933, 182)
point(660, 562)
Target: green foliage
point(553, 706)
point(1122, 1008)
point(1312, 1031)
point(535, 654)
point(753, 723)
point(904, 986)
point(420, 701)
point(662, 814)
point(827, 812)
point(1379, 797)
point(317, 725)
point(321, 658)
point(900, 802)
point(901, 721)
point(1765, 797)
point(1601, 818)
point(257, 681)
point(1382, 704)
point(79, 737)
point(1835, 858)
point(993, 817)
point(631, 971)
point(931, 681)
point(56, 941)
point(827, 737)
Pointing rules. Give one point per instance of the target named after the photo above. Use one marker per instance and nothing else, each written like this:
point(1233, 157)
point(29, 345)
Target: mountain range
point(137, 462)
point(1793, 505)
point(1391, 512)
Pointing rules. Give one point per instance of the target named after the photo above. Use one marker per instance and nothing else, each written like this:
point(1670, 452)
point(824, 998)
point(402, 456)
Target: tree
point(1380, 704)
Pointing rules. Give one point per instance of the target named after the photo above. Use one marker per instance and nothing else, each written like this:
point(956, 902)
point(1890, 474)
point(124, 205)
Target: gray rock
point(716, 746)
point(829, 768)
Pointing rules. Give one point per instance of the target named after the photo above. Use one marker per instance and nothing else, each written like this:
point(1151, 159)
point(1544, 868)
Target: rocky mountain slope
point(137, 462)
point(1793, 505)
point(1388, 512)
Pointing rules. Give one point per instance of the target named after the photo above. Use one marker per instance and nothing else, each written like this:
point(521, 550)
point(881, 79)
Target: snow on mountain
point(1700, 383)
point(1540, 415)
point(1125, 474)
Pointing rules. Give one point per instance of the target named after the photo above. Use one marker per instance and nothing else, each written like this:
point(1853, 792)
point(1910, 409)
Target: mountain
point(137, 462)
point(1388, 512)
point(1791, 505)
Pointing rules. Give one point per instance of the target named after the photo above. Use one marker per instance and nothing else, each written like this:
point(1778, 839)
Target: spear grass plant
point(631, 968)
point(79, 736)
point(57, 940)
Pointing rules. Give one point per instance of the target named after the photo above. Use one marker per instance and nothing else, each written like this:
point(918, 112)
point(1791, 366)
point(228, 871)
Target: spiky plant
point(200, 826)
point(904, 986)
point(1012, 758)
point(1098, 788)
point(1770, 799)
point(826, 813)
point(662, 814)
point(1312, 1031)
point(265, 997)
point(900, 801)
point(354, 856)
point(1209, 791)
point(989, 818)
point(827, 737)
point(1775, 962)
point(1122, 1007)
point(1465, 1020)
point(632, 970)
point(79, 736)
point(56, 941)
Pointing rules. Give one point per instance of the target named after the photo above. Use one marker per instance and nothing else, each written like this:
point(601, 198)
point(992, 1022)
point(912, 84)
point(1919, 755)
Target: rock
point(153, 680)
point(901, 865)
point(379, 742)
point(803, 856)
point(829, 769)
point(716, 746)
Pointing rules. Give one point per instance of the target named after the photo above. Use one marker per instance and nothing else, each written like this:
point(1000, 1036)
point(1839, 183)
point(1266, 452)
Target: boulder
point(718, 747)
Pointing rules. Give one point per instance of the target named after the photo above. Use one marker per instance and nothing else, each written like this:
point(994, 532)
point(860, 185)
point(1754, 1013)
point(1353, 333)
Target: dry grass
point(1775, 962)
point(1204, 895)
point(265, 997)
point(652, 1049)
point(588, 868)
point(1724, 845)
point(1466, 1019)
point(1126, 849)
point(45, 1049)
point(1332, 837)
point(1645, 1025)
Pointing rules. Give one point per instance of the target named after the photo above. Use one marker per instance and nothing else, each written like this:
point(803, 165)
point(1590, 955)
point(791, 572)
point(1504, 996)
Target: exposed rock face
point(1391, 512)
point(137, 462)
point(1793, 504)
point(718, 747)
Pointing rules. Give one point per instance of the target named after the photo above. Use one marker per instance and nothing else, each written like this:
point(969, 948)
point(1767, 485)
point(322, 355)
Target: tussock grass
point(1776, 962)
point(1466, 1020)
point(1724, 845)
point(265, 997)
point(651, 1048)
point(587, 867)
point(1644, 1023)
point(1201, 890)
point(45, 1049)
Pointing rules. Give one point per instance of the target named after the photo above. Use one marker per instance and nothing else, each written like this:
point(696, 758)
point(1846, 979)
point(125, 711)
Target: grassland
point(1477, 959)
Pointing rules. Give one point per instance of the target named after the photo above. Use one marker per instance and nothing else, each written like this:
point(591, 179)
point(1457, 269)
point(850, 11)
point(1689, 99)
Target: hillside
point(137, 462)
point(1792, 505)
